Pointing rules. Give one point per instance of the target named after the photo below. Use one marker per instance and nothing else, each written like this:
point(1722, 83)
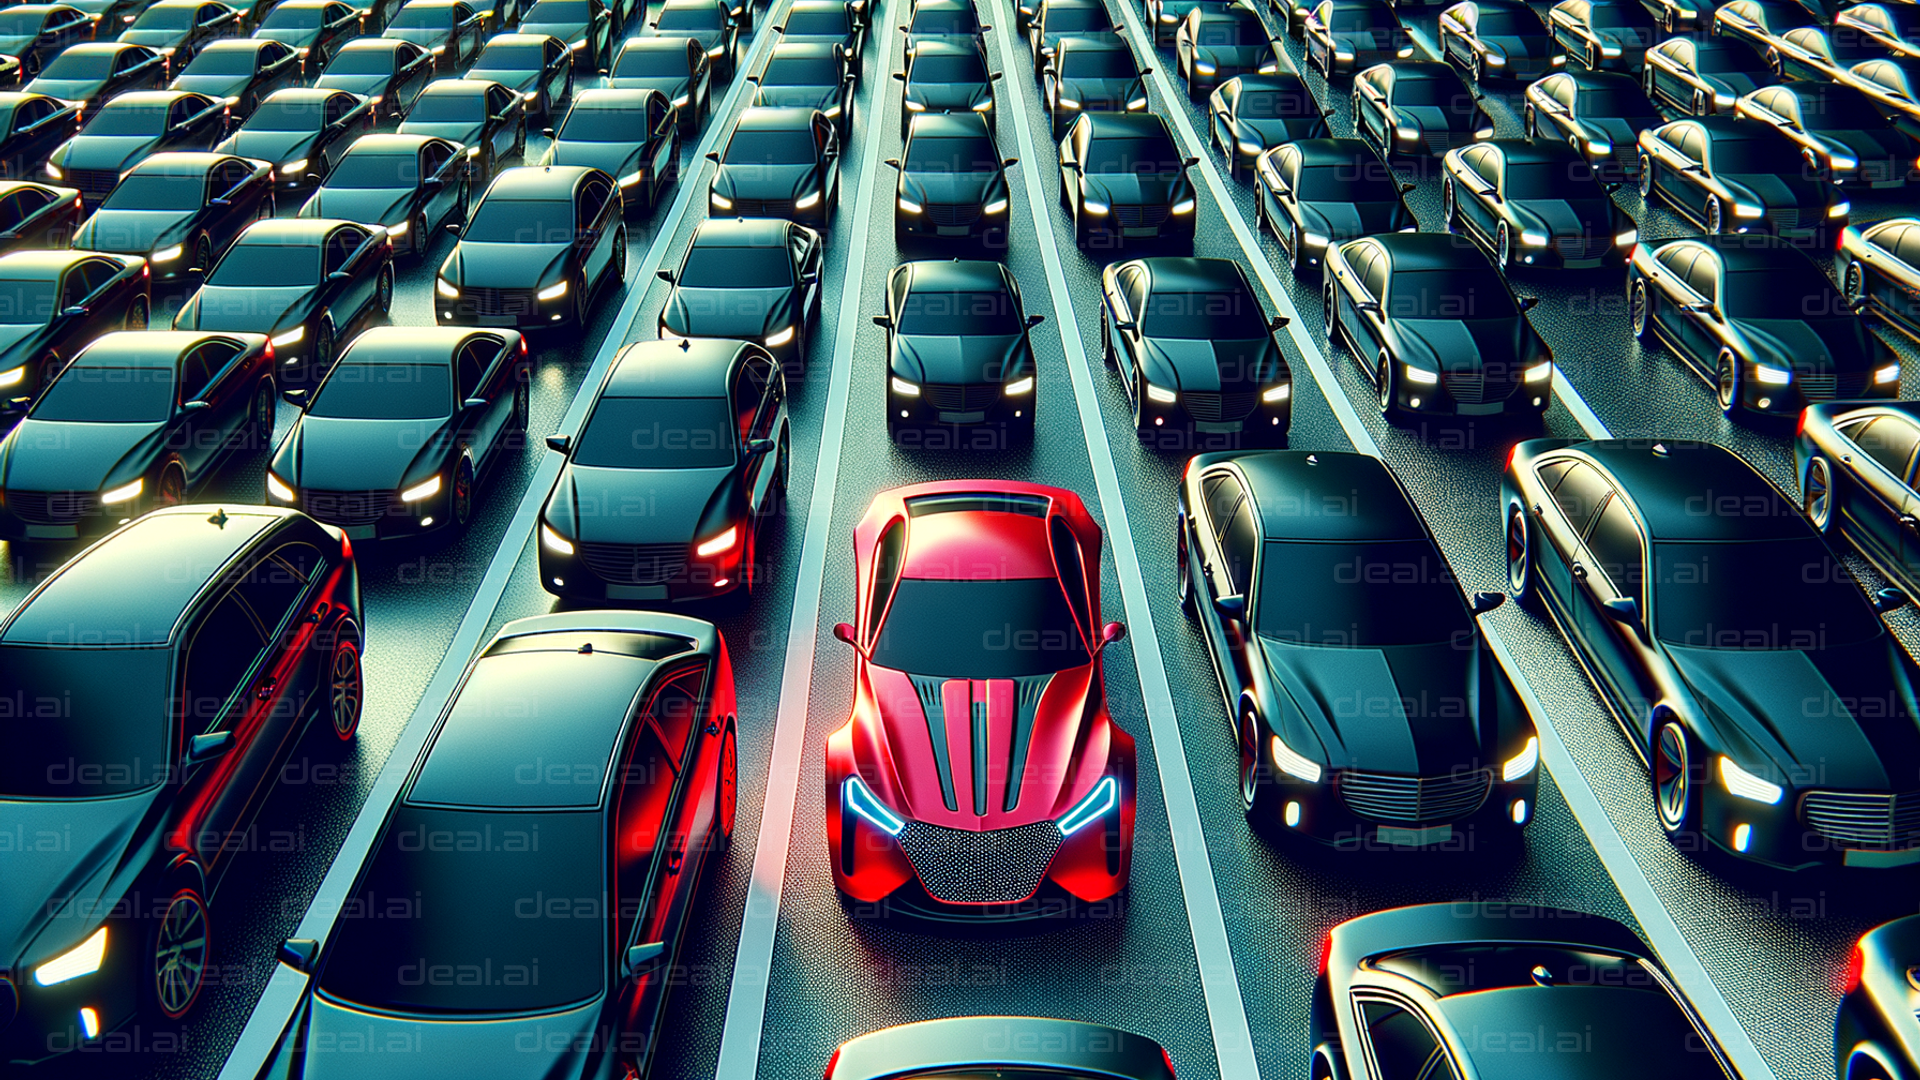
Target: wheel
point(1258, 797)
point(138, 314)
point(1726, 383)
point(50, 369)
point(1329, 322)
point(1855, 282)
point(1183, 571)
point(259, 430)
point(1646, 177)
point(203, 252)
point(172, 490)
point(1816, 492)
point(1532, 123)
point(1775, 64)
point(325, 341)
point(1293, 249)
point(783, 473)
point(1389, 385)
point(581, 309)
point(1449, 207)
point(516, 434)
point(1474, 67)
point(617, 269)
point(1106, 339)
point(419, 230)
point(1503, 248)
point(344, 689)
point(383, 289)
point(460, 501)
point(1638, 311)
point(1141, 428)
point(265, 209)
point(1673, 765)
point(1715, 221)
point(179, 953)
point(1520, 557)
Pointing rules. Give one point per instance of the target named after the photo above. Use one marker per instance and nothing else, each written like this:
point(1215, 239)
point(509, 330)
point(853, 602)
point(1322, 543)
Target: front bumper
point(965, 406)
point(1221, 413)
point(1784, 836)
point(1803, 390)
point(1331, 812)
point(968, 221)
point(77, 515)
point(520, 309)
point(1449, 396)
point(375, 515)
point(657, 573)
point(1576, 254)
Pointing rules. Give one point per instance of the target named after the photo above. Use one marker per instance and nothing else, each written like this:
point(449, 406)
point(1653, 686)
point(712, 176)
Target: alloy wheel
point(180, 953)
point(344, 691)
point(1519, 555)
point(1817, 492)
point(1637, 309)
point(1671, 779)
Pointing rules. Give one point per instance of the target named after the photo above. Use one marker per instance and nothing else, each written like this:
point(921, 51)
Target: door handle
point(1908, 521)
point(1579, 572)
point(267, 686)
point(675, 858)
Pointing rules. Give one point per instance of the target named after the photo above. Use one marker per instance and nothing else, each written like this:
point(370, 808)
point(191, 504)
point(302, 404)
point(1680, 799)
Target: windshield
point(1460, 293)
point(268, 266)
point(604, 124)
point(74, 64)
point(1839, 112)
point(1230, 32)
point(691, 18)
point(298, 114)
point(958, 314)
point(1344, 183)
point(84, 722)
point(26, 303)
point(1761, 594)
point(817, 24)
point(651, 63)
point(479, 896)
point(980, 629)
point(365, 170)
point(221, 62)
point(1276, 105)
point(1147, 157)
point(771, 147)
point(1097, 64)
point(159, 18)
point(945, 21)
point(423, 17)
point(1508, 24)
point(1544, 179)
point(521, 221)
point(362, 62)
point(964, 68)
point(1734, 58)
point(802, 71)
point(1621, 102)
point(288, 17)
point(371, 391)
point(458, 107)
point(970, 154)
point(1791, 290)
point(511, 57)
point(108, 395)
point(129, 119)
point(1441, 92)
point(1225, 316)
point(22, 20)
point(157, 191)
point(1070, 20)
point(1754, 156)
point(1619, 18)
point(712, 267)
point(1350, 21)
point(557, 11)
point(1358, 595)
point(657, 433)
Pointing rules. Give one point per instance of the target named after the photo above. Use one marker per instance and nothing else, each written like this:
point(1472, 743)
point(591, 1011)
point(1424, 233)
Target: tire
point(325, 343)
point(265, 209)
point(1449, 206)
point(1716, 217)
point(460, 499)
point(50, 369)
point(1106, 339)
point(1639, 311)
point(419, 228)
point(1474, 68)
point(1646, 178)
point(178, 947)
point(383, 289)
point(581, 308)
point(172, 489)
point(1816, 492)
point(1776, 64)
point(727, 802)
point(1183, 569)
point(516, 434)
point(1519, 539)
point(1329, 324)
point(1259, 799)
point(1389, 387)
point(617, 269)
point(1854, 282)
point(1141, 429)
point(260, 417)
point(1503, 248)
point(1726, 383)
point(203, 252)
point(1293, 249)
point(1675, 766)
point(1532, 123)
point(139, 314)
point(346, 690)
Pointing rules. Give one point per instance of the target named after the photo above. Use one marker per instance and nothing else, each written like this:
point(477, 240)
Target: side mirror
point(1888, 599)
point(892, 163)
point(339, 275)
point(299, 953)
point(757, 447)
point(664, 275)
point(559, 444)
point(993, 76)
point(900, 76)
point(1484, 602)
point(1010, 163)
point(77, 311)
point(548, 132)
point(1126, 326)
point(1278, 323)
point(1035, 320)
point(194, 406)
point(1071, 166)
point(295, 398)
point(1190, 163)
point(316, 178)
point(474, 403)
point(1112, 632)
point(1232, 606)
point(1404, 188)
point(844, 631)
point(1528, 303)
point(209, 746)
point(1368, 305)
point(883, 322)
point(219, 202)
point(713, 156)
point(453, 229)
point(1624, 609)
point(644, 960)
point(1145, 71)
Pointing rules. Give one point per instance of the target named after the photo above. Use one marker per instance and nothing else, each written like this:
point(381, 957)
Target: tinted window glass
point(362, 62)
point(1440, 92)
point(108, 395)
point(1614, 542)
point(641, 63)
point(267, 266)
point(375, 171)
point(285, 115)
point(1403, 1048)
point(83, 723)
point(223, 649)
point(273, 587)
point(802, 71)
point(222, 62)
point(816, 24)
point(1754, 156)
point(134, 119)
point(700, 18)
point(155, 191)
point(165, 18)
point(521, 221)
point(604, 124)
point(1449, 294)
point(1889, 442)
point(445, 108)
point(958, 313)
point(1709, 595)
point(288, 17)
point(421, 17)
point(1216, 315)
point(510, 56)
point(736, 268)
point(1778, 292)
point(385, 392)
point(1097, 64)
point(1238, 538)
point(1536, 180)
point(1358, 594)
point(792, 147)
point(1273, 104)
point(1342, 183)
point(1579, 494)
point(1620, 102)
point(1148, 157)
point(980, 629)
point(951, 155)
point(657, 433)
point(964, 68)
point(77, 65)
point(24, 302)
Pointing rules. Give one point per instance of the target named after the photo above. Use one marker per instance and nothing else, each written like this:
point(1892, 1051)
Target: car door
point(1370, 322)
point(1890, 287)
point(1479, 180)
point(1236, 545)
point(1872, 511)
point(1398, 1042)
point(1668, 290)
point(1222, 496)
point(280, 68)
point(33, 134)
point(663, 142)
point(749, 397)
point(1700, 328)
point(353, 252)
point(503, 119)
point(98, 286)
point(1660, 61)
point(644, 837)
point(1577, 491)
point(1615, 569)
point(594, 206)
point(446, 194)
point(227, 396)
point(554, 66)
point(478, 369)
point(22, 221)
point(1688, 189)
point(223, 649)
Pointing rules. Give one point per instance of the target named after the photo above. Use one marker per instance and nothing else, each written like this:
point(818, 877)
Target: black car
point(944, 76)
point(538, 68)
point(53, 304)
point(1822, 52)
point(1320, 193)
point(1882, 275)
point(778, 163)
point(831, 22)
point(1701, 77)
point(411, 184)
point(1437, 328)
point(388, 72)
point(396, 438)
point(1532, 203)
point(303, 132)
point(1163, 17)
point(1122, 176)
point(36, 33)
point(1253, 113)
point(1057, 19)
point(1215, 44)
point(807, 75)
point(242, 72)
point(957, 348)
point(534, 250)
point(1773, 706)
point(1602, 113)
point(1855, 463)
point(1733, 175)
point(1894, 28)
point(1092, 73)
point(1892, 85)
point(697, 430)
point(260, 619)
point(306, 283)
point(31, 126)
point(178, 29)
point(1760, 23)
point(139, 420)
point(1759, 321)
point(630, 135)
point(316, 29)
point(1423, 986)
point(131, 128)
point(646, 702)
point(952, 21)
point(754, 279)
point(1345, 36)
point(1874, 1034)
point(37, 216)
point(451, 30)
point(991, 1044)
point(953, 182)
point(180, 210)
point(675, 66)
point(709, 22)
point(483, 116)
point(1417, 107)
point(1288, 597)
point(98, 71)
point(1838, 127)
point(585, 26)
point(1499, 39)
point(1604, 35)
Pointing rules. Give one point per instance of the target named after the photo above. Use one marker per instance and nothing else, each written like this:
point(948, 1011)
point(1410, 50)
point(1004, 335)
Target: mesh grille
point(1827, 385)
point(763, 207)
point(1864, 819)
point(971, 398)
point(1581, 247)
point(953, 213)
point(347, 508)
point(1878, 172)
point(1439, 142)
point(1414, 799)
point(636, 564)
point(1141, 217)
point(51, 507)
point(1208, 405)
point(960, 866)
point(501, 301)
point(93, 183)
point(1784, 219)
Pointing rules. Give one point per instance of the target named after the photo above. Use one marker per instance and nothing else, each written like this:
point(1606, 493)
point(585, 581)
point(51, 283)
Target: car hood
point(1847, 712)
point(1869, 144)
point(1273, 131)
point(761, 181)
point(728, 313)
point(93, 835)
point(966, 360)
point(477, 265)
point(1348, 221)
point(373, 206)
point(799, 97)
point(1432, 717)
point(448, 1049)
point(108, 153)
point(1780, 192)
point(1570, 217)
point(951, 96)
point(15, 44)
point(214, 86)
point(1620, 131)
point(636, 506)
point(20, 342)
point(274, 146)
point(1201, 365)
point(1097, 92)
point(133, 232)
point(464, 132)
point(1234, 55)
point(67, 89)
point(614, 159)
point(1467, 345)
point(1832, 344)
point(1131, 189)
point(85, 460)
point(329, 454)
point(257, 310)
point(1733, 82)
point(947, 188)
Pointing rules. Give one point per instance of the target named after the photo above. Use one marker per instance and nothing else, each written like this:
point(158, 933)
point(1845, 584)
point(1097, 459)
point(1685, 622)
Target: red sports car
point(979, 776)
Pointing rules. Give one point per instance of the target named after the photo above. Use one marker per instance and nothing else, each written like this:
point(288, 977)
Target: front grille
point(763, 207)
point(636, 564)
point(1141, 217)
point(1211, 406)
point(1415, 800)
point(1784, 219)
point(973, 398)
point(1879, 172)
point(94, 184)
point(348, 509)
point(1627, 158)
point(501, 301)
point(51, 507)
point(953, 213)
point(1873, 820)
point(1439, 142)
point(1828, 385)
point(960, 866)
point(1476, 387)
point(1581, 247)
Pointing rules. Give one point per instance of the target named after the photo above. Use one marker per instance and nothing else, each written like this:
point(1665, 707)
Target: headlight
point(1739, 781)
point(1839, 209)
point(440, 286)
point(9, 378)
point(1342, 54)
point(170, 254)
point(1205, 68)
point(1020, 386)
point(905, 388)
point(1136, 104)
point(1842, 161)
point(1533, 239)
point(53, 170)
point(1631, 236)
point(779, 338)
point(1523, 762)
point(1405, 132)
point(1169, 18)
point(553, 540)
point(279, 488)
point(438, 50)
point(984, 106)
point(914, 106)
point(295, 166)
point(1098, 803)
point(552, 292)
point(717, 50)
point(1722, 100)
point(1161, 393)
point(1249, 148)
point(290, 337)
point(630, 179)
point(1742, 210)
point(832, 111)
point(1277, 393)
point(423, 490)
point(1067, 102)
point(1092, 207)
point(909, 205)
point(723, 542)
point(398, 231)
point(1599, 147)
point(868, 807)
point(1184, 206)
point(1420, 375)
point(1540, 372)
point(1772, 376)
point(82, 959)
point(997, 206)
point(1293, 764)
point(1405, 51)
point(807, 201)
point(682, 100)
point(1609, 50)
point(719, 201)
point(1558, 61)
point(531, 94)
point(1888, 374)
point(1496, 61)
point(122, 493)
point(1483, 133)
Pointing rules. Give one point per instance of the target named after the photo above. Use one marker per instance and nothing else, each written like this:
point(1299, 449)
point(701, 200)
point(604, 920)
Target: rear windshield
point(1706, 596)
point(606, 123)
point(288, 114)
point(159, 18)
point(1441, 92)
point(651, 63)
point(129, 119)
point(557, 11)
point(1449, 294)
point(817, 24)
point(1621, 102)
point(1097, 64)
point(1227, 316)
point(959, 314)
point(1735, 58)
point(521, 221)
point(515, 56)
point(1146, 157)
point(157, 191)
point(78, 65)
point(1546, 179)
point(108, 395)
point(964, 68)
point(771, 147)
point(84, 723)
point(1343, 183)
point(286, 17)
point(364, 170)
point(954, 20)
point(1068, 20)
point(26, 302)
point(980, 629)
point(458, 107)
point(359, 391)
point(362, 62)
point(422, 17)
point(268, 266)
point(1276, 104)
point(802, 71)
point(657, 433)
point(22, 21)
point(1358, 595)
point(1753, 156)
point(712, 267)
point(221, 62)
point(1508, 24)
point(691, 18)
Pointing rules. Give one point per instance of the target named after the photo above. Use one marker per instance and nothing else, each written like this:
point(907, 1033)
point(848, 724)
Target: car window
point(1562, 90)
point(675, 708)
point(1069, 562)
point(1890, 441)
point(127, 61)
point(338, 108)
point(499, 100)
point(1375, 275)
point(31, 112)
point(1222, 491)
point(1579, 494)
point(1614, 543)
point(886, 570)
point(470, 367)
point(749, 386)
point(1703, 276)
point(433, 158)
point(1404, 1048)
point(1676, 258)
point(73, 288)
point(96, 273)
point(13, 210)
point(224, 648)
point(593, 198)
point(1238, 539)
point(273, 588)
point(646, 790)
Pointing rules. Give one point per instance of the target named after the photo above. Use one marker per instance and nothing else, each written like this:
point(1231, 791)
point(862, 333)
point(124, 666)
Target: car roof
point(114, 596)
point(1282, 81)
point(1429, 251)
point(311, 93)
point(1238, 11)
point(775, 118)
point(386, 142)
point(997, 538)
point(421, 345)
point(1189, 274)
point(932, 45)
point(948, 126)
point(375, 44)
point(690, 367)
point(519, 39)
point(608, 98)
point(87, 48)
point(1613, 1023)
point(134, 98)
point(458, 86)
point(182, 163)
point(233, 44)
point(1332, 151)
point(1133, 125)
point(756, 232)
point(1730, 127)
point(290, 230)
point(956, 275)
point(1093, 41)
point(1294, 489)
point(538, 181)
point(1676, 483)
point(38, 261)
point(143, 348)
point(1748, 251)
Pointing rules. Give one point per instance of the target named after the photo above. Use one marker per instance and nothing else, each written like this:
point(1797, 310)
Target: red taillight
point(1856, 964)
point(269, 352)
point(835, 1059)
point(1167, 1060)
point(1512, 452)
point(346, 546)
point(1800, 425)
point(1326, 953)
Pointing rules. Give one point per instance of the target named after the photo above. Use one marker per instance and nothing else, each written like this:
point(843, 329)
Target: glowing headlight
point(807, 201)
point(719, 201)
point(630, 179)
point(723, 542)
point(552, 292)
point(717, 50)
point(1421, 376)
point(905, 388)
point(1277, 393)
point(1842, 161)
point(1169, 18)
point(1533, 239)
point(1839, 209)
point(165, 255)
point(440, 286)
point(984, 106)
point(1205, 68)
point(1742, 210)
point(1722, 100)
point(1599, 147)
point(1093, 207)
point(53, 170)
point(997, 206)
point(1342, 54)
point(1772, 376)
point(398, 231)
point(1888, 374)
point(1523, 762)
point(297, 165)
point(1101, 800)
point(290, 337)
point(425, 489)
point(682, 100)
point(779, 338)
point(1609, 50)
point(82, 959)
point(865, 804)
point(1739, 781)
point(1313, 239)
point(914, 106)
point(1161, 393)
point(279, 488)
point(1137, 104)
point(554, 541)
point(1020, 386)
point(1496, 61)
point(1293, 764)
point(1249, 148)
point(909, 205)
point(531, 94)
point(1067, 102)
point(1184, 206)
point(1405, 132)
point(122, 493)
point(1405, 51)
point(9, 378)
point(1483, 133)
point(1540, 372)
point(1558, 61)
point(832, 111)
point(1631, 236)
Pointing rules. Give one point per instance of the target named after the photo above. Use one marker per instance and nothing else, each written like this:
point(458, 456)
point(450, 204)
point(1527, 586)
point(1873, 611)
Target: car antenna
point(1659, 449)
point(586, 647)
point(219, 519)
point(1313, 459)
point(684, 345)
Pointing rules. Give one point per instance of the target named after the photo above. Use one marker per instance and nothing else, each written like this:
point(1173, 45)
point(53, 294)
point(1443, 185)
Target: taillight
point(1856, 964)
point(835, 1059)
point(1800, 425)
point(1512, 451)
point(1326, 952)
point(1167, 1060)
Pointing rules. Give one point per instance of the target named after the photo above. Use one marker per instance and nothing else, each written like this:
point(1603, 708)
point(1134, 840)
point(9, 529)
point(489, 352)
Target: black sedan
point(830, 22)
point(1602, 113)
point(483, 116)
point(1837, 128)
point(697, 431)
point(628, 134)
point(944, 76)
point(1092, 73)
point(538, 68)
point(34, 125)
point(303, 132)
point(53, 304)
point(1760, 23)
point(451, 30)
point(1195, 353)
point(709, 22)
point(390, 73)
point(1882, 275)
point(410, 184)
point(537, 246)
point(140, 419)
point(1428, 985)
point(957, 349)
point(306, 283)
point(1345, 36)
point(98, 71)
point(1604, 35)
point(1733, 175)
point(1531, 203)
point(1822, 52)
point(1122, 176)
point(259, 617)
point(953, 182)
point(1875, 1033)
point(178, 29)
point(316, 29)
point(675, 66)
point(778, 163)
point(1890, 25)
point(1057, 19)
point(1774, 707)
point(1001, 1046)
point(1289, 599)
point(180, 210)
point(807, 75)
point(396, 439)
point(585, 26)
point(1856, 481)
point(1417, 107)
point(1759, 321)
point(1215, 44)
point(1401, 303)
point(953, 21)
point(1892, 85)
point(131, 128)
point(1499, 39)
point(37, 216)
point(36, 33)
point(1254, 113)
point(242, 72)
point(1163, 17)
point(1702, 77)
point(754, 279)
point(583, 996)
point(1320, 192)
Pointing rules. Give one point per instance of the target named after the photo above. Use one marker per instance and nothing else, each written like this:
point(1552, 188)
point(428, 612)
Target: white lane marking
point(1672, 946)
point(282, 994)
point(760, 921)
point(1220, 984)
